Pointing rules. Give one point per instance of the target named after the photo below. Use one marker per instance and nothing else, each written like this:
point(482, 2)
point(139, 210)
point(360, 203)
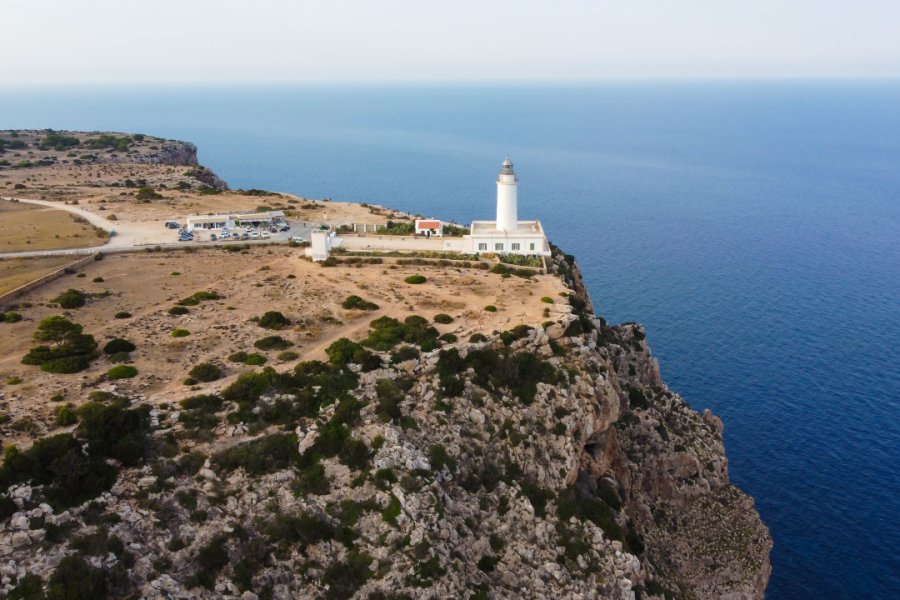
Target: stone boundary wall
point(23, 289)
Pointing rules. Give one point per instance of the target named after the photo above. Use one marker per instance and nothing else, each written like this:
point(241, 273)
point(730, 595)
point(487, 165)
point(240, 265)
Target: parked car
point(284, 227)
point(212, 237)
point(173, 224)
point(254, 235)
point(245, 236)
point(265, 235)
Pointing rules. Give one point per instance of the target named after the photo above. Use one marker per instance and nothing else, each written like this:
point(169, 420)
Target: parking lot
point(297, 230)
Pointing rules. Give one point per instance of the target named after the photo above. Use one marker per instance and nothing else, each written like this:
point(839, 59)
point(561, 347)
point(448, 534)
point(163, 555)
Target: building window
point(498, 247)
point(482, 246)
point(531, 246)
point(516, 247)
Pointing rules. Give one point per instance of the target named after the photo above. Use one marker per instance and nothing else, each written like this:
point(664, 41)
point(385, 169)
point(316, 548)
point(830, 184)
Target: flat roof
point(268, 214)
point(490, 227)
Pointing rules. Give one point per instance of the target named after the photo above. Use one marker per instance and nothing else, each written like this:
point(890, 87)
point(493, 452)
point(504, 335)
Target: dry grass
point(143, 285)
point(29, 227)
point(16, 272)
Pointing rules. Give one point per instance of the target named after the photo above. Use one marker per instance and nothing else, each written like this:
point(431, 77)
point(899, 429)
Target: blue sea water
point(753, 227)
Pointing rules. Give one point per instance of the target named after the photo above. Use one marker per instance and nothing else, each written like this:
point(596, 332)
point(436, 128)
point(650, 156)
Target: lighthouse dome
point(507, 167)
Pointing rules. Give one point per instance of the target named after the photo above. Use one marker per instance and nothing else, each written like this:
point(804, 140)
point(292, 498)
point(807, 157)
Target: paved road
point(131, 236)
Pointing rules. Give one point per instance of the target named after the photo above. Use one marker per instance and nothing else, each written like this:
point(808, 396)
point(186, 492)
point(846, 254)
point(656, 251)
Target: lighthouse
point(507, 198)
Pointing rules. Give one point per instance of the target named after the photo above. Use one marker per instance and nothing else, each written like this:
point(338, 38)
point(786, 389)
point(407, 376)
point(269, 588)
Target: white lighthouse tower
point(507, 198)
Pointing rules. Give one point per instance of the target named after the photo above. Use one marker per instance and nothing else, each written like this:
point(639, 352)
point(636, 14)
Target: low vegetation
point(356, 303)
point(68, 349)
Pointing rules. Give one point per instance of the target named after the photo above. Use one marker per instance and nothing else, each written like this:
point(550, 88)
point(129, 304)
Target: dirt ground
point(16, 272)
point(147, 284)
point(29, 227)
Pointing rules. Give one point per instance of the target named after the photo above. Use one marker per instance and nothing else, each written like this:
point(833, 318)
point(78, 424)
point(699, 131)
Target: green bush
point(387, 332)
point(210, 560)
point(477, 338)
point(122, 315)
point(443, 318)
point(119, 357)
point(118, 345)
point(205, 372)
point(547, 299)
point(65, 415)
point(356, 303)
point(178, 310)
point(344, 351)
point(146, 192)
point(345, 577)
point(404, 353)
point(273, 320)
point(415, 279)
point(490, 308)
point(178, 333)
point(69, 350)
point(70, 299)
point(288, 355)
point(57, 462)
point(252, 359)
point(10, 317)
point(260, 456)
point(448, 338)
point(122, 372)
point(389, 398)
point(273, 342)
point(75, 578)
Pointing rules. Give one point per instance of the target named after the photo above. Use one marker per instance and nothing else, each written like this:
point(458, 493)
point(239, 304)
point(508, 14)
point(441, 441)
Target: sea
point(752, 226)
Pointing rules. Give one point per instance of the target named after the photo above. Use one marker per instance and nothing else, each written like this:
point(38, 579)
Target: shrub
point(273, 320)
point(178, 310)
point(57, 462)
point(10, 317)
point(205, 372)
point(547, 299)
point(288, 355)
point(404, 353)
point(146, 192)
point(477, 338)
point(387, 332)
point(65, 415)
point(178, 333)
point(356, 303)
point(449, 338)
point(345, 577)
point(263, 455)
point(389, 398)
point(122, 315)
point(344, 351)
point(118, 345)
point(273, 342)
point(97, 280)
point(69, 350)
point(415, 279)
point(122, 372)
point(70, 299)
point(442, 318)
point(75, 578)
point(211, 559)
point(253, 359)
point(490, 308)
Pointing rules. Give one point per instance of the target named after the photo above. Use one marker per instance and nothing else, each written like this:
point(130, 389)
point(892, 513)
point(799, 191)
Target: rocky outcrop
point(170, 152)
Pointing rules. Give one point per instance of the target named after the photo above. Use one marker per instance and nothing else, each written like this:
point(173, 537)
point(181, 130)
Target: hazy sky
point(87, 41)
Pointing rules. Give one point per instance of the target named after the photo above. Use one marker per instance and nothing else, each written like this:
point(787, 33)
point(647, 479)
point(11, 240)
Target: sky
point(297, 41)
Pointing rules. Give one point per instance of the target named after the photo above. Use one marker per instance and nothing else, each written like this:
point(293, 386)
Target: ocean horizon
point(753, 227)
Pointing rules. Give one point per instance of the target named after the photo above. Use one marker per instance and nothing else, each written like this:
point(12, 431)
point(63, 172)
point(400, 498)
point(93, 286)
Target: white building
point(429, 227)
point(508, 235)
point(236, 219)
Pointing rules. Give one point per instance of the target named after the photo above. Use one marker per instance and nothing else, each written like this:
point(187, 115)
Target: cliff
point(537, 462)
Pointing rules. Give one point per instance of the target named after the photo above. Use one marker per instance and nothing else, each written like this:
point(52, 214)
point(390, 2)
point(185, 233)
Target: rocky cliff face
point(169, 152)
point(541, 462)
